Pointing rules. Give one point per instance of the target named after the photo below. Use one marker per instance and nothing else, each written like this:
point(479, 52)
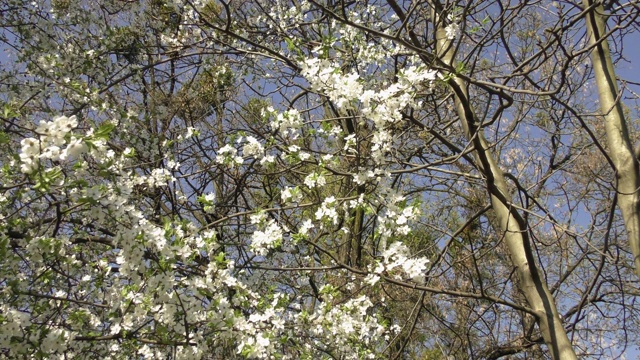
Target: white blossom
point(328, 210)
point(253, 148)
point(315, 179)
point(291, 194)
point(452, 31)
point(263, 240)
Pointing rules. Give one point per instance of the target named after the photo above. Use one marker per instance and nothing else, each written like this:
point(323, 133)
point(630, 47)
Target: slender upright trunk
point(513, 225)
point(620, 148)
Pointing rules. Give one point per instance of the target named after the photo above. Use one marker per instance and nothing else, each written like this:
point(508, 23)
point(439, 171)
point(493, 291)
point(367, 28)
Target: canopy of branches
point(318, 179)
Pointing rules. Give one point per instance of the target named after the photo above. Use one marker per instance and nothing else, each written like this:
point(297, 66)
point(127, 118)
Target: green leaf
point(4, 138)
point(290, 45)
point(104, 130)
point(8, 111)
point(87, 200)
point(220, 259)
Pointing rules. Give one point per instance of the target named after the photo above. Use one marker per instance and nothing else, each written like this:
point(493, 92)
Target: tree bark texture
point(620, 147)
point(512, 224)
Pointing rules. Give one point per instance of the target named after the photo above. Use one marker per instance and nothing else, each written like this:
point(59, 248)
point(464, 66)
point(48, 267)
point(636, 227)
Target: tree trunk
point(620, 148)
point(512, 224)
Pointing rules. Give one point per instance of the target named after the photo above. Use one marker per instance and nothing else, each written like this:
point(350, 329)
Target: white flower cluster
point(328, 210)
point(326, 76)
point(452, 31)
point(191, 131)
point(12, 325)
point(55, 341)
point(287, 123)
point(52, 136)
point(383, 107)
point(346, 325)
point(291, 195)
point(295, 150)
point(264, 240)
point(395, 219)
point(253, 148)
point(259, 330)
point(208, 201)
point(228, 155)
point(397, 257)
point(284, 16)
point(349, 142)
point(315, 179)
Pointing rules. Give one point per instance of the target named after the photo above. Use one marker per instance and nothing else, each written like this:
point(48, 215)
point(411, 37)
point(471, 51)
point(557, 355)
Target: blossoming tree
point(273, 179)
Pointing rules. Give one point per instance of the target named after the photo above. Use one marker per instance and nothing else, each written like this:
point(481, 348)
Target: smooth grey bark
point(513, 225)
point(620, 148)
